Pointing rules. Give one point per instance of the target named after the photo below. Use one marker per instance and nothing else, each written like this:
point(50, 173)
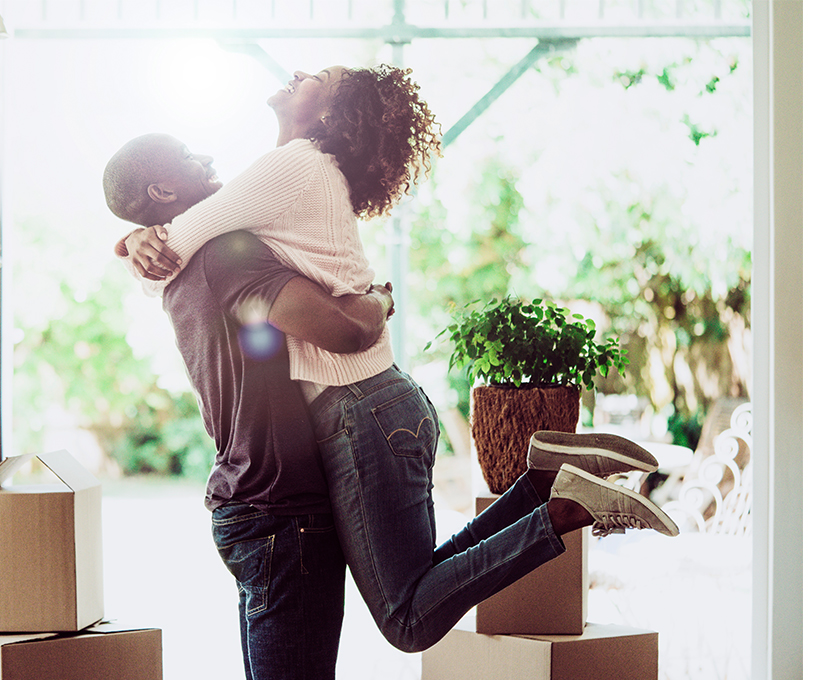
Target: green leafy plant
point(512, 342)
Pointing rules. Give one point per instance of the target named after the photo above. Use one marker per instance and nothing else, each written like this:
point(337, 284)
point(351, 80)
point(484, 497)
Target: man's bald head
point(154, 177)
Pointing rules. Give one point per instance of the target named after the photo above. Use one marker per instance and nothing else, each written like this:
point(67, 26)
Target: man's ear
point(160, 194)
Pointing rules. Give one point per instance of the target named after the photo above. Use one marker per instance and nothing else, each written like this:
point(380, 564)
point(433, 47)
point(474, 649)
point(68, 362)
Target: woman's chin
point(276, 100)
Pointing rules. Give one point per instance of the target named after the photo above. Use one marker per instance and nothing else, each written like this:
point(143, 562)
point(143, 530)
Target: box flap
point(11, 464)
point(594, 631)
point(101, 628)
point(114, 626)
point(69, 470)
point(25, 637)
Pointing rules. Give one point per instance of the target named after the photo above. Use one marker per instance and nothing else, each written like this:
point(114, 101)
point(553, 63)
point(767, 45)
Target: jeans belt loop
point(356, 390)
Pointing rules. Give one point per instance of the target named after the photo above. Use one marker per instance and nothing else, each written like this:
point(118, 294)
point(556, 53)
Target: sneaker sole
point(546, 445)
point(671, 528)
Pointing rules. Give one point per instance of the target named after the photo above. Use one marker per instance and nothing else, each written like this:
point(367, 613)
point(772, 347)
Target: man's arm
point(345, 324)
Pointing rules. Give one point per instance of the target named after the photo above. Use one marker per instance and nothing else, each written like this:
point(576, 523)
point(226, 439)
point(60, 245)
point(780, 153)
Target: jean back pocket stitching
point(416, 434)
point(263, 590)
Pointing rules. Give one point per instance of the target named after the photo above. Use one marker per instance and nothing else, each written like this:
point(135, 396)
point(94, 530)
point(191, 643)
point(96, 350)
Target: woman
point(351, 143)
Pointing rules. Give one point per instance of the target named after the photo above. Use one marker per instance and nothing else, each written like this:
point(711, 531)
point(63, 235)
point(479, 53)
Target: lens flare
point(260, 341)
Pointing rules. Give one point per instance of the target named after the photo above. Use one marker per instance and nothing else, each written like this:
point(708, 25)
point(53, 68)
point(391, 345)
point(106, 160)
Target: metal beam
point(399, 32)
point(542, 48)
point(399, 245)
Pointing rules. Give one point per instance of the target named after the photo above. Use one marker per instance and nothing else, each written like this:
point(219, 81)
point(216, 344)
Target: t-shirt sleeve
point(245, 276)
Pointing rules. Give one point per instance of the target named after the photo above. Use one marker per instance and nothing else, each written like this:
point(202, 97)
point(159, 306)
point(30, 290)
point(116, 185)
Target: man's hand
point(149, 254)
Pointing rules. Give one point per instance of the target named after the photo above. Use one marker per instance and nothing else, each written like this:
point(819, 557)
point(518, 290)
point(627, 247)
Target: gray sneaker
point(613, 507)
point(598, 454)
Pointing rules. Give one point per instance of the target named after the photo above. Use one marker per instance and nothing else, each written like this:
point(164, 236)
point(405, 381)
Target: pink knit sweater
point(296, 200)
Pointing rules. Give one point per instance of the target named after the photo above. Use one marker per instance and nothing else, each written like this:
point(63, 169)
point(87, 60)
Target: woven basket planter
point(503, 420)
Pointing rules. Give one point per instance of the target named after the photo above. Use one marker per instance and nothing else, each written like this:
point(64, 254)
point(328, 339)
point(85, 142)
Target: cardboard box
point(551, 600)
point(50, 548)
point(602, 652)
point(103, 652)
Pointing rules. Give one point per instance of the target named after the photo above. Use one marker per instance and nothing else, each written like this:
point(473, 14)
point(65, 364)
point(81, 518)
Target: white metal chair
point(716, 494)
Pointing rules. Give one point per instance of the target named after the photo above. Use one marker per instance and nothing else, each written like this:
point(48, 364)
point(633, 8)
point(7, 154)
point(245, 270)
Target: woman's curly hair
point(382, 135)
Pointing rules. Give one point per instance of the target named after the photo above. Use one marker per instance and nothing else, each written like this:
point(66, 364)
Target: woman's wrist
point(121, 249)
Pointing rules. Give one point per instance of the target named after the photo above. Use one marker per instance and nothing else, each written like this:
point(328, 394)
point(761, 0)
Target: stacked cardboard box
point(100, 652)
point(602, 652)
point(51, 582)
point(551, 599)
point(536, 629)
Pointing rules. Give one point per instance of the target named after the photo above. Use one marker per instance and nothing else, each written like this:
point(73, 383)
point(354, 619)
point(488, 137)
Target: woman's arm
point(148, 254)
point(251, 201)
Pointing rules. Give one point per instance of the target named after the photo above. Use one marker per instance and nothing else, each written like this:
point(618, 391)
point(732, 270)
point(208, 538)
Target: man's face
point(190, 176)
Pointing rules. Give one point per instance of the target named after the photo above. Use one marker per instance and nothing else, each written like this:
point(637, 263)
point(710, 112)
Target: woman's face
point(307, 97)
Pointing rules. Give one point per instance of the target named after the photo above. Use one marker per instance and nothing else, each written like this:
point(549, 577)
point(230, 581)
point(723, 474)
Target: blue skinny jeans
point(377, 439)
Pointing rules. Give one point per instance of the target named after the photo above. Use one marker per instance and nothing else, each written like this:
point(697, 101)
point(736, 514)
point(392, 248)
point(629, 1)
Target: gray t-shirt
point(239, 368)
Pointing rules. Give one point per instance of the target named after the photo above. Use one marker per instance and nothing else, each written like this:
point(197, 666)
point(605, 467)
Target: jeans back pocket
point(409, 424)
point(246, 546)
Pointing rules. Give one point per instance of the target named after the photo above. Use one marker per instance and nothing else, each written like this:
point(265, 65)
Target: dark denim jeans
point(377, 439)
point(290, 574)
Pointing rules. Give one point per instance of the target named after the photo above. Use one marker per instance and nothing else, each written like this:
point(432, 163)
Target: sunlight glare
point(197, 81)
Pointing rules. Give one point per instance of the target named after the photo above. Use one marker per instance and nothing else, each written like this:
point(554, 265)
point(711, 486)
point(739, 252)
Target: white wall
point(777, 327)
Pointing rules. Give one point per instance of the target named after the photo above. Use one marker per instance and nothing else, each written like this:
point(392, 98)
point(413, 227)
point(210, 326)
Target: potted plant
point(533, 359)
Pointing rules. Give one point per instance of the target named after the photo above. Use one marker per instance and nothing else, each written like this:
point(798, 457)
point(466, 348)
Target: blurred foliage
point(474, 260)
point(673, 302)
point(169, 441)
point(686, 430)
point(73, 364)
point(645, 249)
point(669, 77)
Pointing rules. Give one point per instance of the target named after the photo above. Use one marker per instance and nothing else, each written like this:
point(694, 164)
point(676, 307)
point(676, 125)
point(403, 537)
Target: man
point(230, 308)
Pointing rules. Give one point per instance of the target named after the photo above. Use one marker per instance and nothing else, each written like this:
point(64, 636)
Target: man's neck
point(158, 216)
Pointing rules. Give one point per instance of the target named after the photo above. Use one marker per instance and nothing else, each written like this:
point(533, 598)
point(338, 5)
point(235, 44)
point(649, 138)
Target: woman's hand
point(149, 254)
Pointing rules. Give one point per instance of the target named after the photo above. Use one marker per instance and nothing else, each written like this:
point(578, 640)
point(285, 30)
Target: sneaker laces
point(617, 523)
